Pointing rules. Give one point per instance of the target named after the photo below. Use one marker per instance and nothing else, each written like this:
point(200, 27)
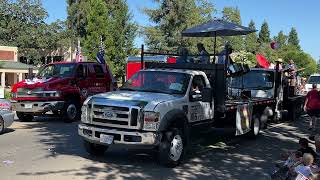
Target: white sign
point(1, 93)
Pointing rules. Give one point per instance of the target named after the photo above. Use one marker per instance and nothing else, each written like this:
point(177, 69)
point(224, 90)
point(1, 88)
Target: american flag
point(78, 53)
point(100, 54)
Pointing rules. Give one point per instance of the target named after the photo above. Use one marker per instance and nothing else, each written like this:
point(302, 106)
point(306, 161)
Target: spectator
point(312, 106)
point(305, 148)
point(203, 54)
point(305, 168)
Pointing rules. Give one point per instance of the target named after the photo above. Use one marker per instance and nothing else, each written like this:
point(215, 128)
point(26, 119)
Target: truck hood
point(36, 82)
point(141, 99)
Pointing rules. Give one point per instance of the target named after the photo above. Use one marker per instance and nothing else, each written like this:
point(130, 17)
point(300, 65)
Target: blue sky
point(280, 15)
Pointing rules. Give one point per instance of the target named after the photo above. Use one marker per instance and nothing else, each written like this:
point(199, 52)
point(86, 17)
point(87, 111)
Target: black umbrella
point(216, 28)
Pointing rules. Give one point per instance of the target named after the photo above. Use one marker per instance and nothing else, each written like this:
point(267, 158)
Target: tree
point(171, 18)
point(302, 59)
point(110, 19)
point(22, 25)
point(232, 14)
point(293, 39)
point(251, 40)
point(281, 39)
point(264, 34)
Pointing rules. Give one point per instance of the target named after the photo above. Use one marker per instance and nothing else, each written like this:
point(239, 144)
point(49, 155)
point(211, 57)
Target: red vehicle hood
point(36, 82)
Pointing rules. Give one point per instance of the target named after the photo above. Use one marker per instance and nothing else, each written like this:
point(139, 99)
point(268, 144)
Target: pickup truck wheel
point(94, 149)
point(24, 117)
point(1, 126)
point(71, 111)
point(171, 148)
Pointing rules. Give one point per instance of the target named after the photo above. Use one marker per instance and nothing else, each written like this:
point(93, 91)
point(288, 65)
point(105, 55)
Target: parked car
point(313, 79)
point(6, 115)
point(60, 88)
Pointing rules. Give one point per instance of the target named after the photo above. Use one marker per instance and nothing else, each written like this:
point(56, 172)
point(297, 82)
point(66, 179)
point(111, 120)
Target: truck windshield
point(56, 70)
point(158, 81)
point(255, 79)
point(314, 80)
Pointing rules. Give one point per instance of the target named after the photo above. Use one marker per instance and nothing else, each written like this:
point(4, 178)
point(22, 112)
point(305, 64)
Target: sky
point(280, 15)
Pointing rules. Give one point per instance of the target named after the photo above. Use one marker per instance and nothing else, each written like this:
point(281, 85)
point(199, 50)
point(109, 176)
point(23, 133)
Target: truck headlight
point(151, 120)
point(85, 114)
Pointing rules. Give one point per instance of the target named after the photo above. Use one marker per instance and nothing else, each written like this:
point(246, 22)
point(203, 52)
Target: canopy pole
point(214, 47)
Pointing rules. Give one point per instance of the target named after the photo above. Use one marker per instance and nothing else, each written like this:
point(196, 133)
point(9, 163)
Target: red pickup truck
point(60, 88)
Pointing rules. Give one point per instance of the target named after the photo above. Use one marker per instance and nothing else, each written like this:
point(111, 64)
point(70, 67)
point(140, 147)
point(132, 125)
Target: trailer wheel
point(24, 117)
point(1, 125)
point(94, 149)
point(172, 148)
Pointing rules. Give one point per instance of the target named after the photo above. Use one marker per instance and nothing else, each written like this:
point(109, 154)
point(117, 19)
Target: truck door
point(82, 80)
point(198, 110)
point(98, 82)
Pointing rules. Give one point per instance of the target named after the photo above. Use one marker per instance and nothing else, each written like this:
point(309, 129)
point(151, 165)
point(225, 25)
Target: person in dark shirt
point(312, 106)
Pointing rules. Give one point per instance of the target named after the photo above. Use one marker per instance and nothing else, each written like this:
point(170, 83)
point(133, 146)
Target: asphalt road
point(51, 149)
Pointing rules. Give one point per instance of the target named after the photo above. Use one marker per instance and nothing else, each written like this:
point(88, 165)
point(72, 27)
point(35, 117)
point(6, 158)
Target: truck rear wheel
point(171, 148)
point(94, 149)
point(71, 111)
point(24, 117)
point(255, 127)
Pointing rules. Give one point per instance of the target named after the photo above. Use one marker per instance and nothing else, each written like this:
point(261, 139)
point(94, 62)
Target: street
point(48, 148)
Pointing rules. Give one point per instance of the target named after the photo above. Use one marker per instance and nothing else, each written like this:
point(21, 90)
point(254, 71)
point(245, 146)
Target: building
point(11, 70)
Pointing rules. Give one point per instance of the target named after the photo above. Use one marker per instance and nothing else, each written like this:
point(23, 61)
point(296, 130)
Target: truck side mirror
point(206, 94)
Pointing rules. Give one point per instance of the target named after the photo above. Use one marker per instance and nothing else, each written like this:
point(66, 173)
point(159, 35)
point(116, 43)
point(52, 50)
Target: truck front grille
point(114, 116)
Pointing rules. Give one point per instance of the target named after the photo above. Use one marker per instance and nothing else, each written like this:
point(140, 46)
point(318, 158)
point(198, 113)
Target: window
point(98, 71)
point(255, 79)
point(198, 82)
point(82, 71)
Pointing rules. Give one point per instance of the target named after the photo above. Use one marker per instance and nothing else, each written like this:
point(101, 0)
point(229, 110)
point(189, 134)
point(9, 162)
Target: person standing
point(203, 54)
point(292, 69)
point(312, 106)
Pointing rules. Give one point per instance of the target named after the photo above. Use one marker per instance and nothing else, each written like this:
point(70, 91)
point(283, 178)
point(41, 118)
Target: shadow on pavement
point(216, 157)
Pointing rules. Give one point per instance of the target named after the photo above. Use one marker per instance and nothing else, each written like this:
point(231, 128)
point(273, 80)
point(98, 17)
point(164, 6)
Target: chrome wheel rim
point(256, 126)
point(176, 148)
point(72, 111)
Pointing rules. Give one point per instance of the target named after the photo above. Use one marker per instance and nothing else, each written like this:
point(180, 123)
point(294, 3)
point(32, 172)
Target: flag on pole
point(100, 54)
point(78, 53)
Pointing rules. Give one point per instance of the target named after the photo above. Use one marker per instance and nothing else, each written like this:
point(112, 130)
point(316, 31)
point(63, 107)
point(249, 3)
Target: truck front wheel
point(71, 111)
point(94, 149)
point(24, 117)
point(171, 148)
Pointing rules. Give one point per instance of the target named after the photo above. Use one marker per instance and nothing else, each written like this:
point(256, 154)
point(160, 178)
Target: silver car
point(6, 115)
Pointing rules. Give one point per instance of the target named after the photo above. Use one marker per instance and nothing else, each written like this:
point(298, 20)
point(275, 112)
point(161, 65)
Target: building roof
point(14, 65)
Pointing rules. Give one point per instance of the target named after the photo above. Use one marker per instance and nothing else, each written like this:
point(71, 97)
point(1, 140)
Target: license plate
point(104, 138)
point(28, 106)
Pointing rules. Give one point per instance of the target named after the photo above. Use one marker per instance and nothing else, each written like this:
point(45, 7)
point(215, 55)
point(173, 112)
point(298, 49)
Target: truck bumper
point(92, 134)
point(37, 107)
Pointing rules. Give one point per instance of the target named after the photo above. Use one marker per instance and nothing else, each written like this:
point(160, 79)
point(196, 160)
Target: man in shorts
point(312, 106)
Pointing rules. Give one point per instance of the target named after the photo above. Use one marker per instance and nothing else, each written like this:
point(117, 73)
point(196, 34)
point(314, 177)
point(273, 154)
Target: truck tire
point(255, 127)
point(94, 149)
point(24, 117)
point(71, 111)
point(1, 125)
point(172, 147)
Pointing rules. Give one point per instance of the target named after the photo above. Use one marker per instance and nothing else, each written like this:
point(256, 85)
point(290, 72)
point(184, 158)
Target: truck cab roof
point(185, 71)
point(68, 62)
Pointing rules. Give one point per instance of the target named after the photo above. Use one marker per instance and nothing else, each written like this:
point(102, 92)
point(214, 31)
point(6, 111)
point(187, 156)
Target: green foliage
point(171, 18)
point(281, 39)
point(302, 59)
point(232, 14)
point(22, 25)
point(251, 40)
point(109, 19)
point(293, 39)
point(264, 34)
